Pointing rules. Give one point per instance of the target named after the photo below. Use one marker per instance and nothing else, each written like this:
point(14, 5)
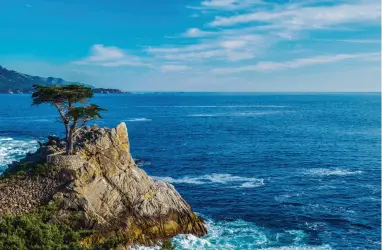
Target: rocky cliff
point(102, 185)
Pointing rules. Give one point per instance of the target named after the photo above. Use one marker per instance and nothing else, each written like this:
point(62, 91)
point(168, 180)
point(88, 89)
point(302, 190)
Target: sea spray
point(14, 149)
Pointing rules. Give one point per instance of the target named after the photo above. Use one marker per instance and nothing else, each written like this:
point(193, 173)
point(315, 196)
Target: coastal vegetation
point(64, 99)
point(49, 199)
point(42, 230)
point(39, 230)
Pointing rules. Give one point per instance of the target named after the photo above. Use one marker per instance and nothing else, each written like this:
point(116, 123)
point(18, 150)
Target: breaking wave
point(241, 182)
point(329, 172)
point(141, 162)
point(247, 114)
point(242, 235)
point(139, 120)
point(14, 149)
point(217, 106)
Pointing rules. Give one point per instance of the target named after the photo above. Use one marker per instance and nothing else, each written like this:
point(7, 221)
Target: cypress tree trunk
point(70, 139)
point(69, 144)
point(64, 120)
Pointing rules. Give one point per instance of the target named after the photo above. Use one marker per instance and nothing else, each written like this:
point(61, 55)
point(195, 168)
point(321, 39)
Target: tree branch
point(79, 127)
point(61, 114)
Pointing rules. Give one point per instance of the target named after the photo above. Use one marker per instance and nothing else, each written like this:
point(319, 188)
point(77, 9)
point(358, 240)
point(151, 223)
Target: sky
point(197, 45)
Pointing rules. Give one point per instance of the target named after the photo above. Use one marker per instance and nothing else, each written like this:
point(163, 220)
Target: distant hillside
point(13, 82)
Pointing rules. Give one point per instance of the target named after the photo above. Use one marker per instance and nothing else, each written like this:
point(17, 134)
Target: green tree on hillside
point(66, 99)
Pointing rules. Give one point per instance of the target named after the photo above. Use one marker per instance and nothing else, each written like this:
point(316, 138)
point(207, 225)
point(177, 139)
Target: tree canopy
point(64, 99)
point(61, 94)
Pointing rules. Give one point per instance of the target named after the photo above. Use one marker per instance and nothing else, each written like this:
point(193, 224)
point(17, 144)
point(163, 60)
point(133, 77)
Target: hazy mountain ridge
point(15, 82)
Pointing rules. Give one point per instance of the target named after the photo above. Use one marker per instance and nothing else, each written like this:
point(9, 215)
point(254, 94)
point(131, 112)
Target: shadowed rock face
point(103, 182)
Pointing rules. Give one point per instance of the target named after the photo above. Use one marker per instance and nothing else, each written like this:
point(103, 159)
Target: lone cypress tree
point(64, 99)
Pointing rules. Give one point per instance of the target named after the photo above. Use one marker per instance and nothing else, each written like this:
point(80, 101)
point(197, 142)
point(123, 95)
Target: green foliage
point(36, 231)
point(68, 94)
point(64, 99)
point(109, 244)
point(32, 232)
point(89, 112)
point(34, 169)
point(168, 245)
point(40, 230)
point(43, 169)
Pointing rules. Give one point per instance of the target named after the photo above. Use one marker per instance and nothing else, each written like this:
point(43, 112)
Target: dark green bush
point(30, 232)
point(33, 169)
point(43, 169)
point(168, 245)
point(35, 231)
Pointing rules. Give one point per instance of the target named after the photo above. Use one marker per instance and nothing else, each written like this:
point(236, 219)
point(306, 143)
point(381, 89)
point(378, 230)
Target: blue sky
point(197, 45)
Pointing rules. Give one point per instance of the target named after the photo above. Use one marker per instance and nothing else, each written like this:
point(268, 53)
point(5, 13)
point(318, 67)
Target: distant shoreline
point(120, 92)
point(95, 90)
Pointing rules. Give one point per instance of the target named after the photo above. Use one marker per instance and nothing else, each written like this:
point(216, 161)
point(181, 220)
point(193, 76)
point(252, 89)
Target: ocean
point(265, 171)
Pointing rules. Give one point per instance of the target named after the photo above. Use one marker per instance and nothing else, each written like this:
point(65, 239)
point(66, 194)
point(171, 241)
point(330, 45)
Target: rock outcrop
point(103, 182)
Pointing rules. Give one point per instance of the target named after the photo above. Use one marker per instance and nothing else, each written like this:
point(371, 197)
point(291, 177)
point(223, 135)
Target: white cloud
point(195, 32)
point(365, 41)
point(177, 49)
point(297, 17)
point(228, 40)
point(245, 31)
point(192, 56)
point(229, 4)
point(242, 41)
point(102, 53)
point(228, 48)
point(111, 57)
point(220, 3)
point(174, 67)
point(233, 44)
point(297, 63)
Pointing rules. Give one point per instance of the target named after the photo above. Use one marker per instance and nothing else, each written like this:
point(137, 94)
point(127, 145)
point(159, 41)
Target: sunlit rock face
point(103, 183)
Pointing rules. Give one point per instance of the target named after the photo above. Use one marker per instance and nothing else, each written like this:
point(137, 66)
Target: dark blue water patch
point(264, 170)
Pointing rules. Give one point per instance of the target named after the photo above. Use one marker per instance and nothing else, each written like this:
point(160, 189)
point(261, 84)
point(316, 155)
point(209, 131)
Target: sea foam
point(141, 119)
point(236, 114)
point(328, 172)
point(238, 181)
point(216, 106)
point(14, 149)
point(243, 235)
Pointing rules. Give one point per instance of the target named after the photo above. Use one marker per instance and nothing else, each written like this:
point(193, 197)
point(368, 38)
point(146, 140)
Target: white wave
point(253, 184)
point(139, 120)
point(323, 247)
point(6, 139)
point(141, 163)
point(320, 208)
point(329, 172)
point(315, 226)
point(216, 106)
point(242, 182)
point(145, 248)
point(14, 149)
point(233, 114)
point(202, 115)
point(242, 235)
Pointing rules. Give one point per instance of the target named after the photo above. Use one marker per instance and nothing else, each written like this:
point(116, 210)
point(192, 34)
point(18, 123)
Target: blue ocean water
point(266, 171)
